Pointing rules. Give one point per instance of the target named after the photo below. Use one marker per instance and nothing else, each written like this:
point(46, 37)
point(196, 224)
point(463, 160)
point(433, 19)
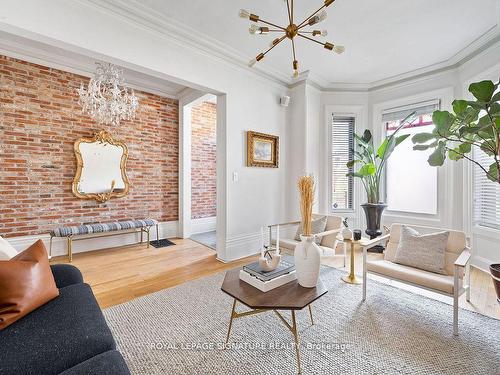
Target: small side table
point(352, 278)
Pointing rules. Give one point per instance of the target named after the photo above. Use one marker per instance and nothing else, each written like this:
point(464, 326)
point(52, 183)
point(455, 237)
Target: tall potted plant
point(372, 162)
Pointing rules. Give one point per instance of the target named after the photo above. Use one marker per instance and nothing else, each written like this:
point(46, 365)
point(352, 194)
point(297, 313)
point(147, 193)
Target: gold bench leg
point(149, 239)
point(70, 249)
point(50, 248)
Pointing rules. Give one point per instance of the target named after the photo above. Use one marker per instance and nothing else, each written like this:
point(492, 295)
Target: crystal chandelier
point(106, 99)
point(291, 31)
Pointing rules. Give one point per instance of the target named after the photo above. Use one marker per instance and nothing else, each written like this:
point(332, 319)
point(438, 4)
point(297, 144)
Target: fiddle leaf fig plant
point(474, 123)
point(373, 160)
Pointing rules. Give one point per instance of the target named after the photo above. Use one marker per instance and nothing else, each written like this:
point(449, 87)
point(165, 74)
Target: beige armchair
point(452, 284)
point(329, 240)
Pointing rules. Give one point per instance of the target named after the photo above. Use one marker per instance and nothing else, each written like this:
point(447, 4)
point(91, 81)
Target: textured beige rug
point(182, 331)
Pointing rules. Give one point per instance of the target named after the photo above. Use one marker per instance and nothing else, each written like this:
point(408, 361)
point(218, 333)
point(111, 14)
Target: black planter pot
point(373, 213)
point(495, 273)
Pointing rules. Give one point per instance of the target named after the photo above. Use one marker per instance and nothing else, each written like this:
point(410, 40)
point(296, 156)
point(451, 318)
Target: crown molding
point(56, 58)
point(132, 11)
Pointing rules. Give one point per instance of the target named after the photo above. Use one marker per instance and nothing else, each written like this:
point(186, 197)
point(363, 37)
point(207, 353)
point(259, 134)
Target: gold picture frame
point(262, 150)
point(117, 189)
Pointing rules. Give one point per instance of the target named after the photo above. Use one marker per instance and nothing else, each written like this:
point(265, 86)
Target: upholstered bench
point(94, 230)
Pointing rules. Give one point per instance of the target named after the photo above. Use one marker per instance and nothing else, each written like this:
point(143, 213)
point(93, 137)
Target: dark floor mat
point(162, 243)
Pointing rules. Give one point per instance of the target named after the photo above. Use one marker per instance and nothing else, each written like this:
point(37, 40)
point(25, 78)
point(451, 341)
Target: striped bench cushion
point(101, 228)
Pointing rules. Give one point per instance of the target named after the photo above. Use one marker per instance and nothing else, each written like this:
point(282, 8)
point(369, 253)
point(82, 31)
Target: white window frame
point(445, 173)
point(360, 113)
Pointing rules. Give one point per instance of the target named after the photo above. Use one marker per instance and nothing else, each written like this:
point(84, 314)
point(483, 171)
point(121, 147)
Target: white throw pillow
point(317, 226)
point(6, 250)
point(424, 251)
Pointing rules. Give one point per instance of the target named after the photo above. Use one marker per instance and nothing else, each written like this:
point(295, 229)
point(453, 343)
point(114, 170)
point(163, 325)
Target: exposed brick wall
point(40, 119)
point(203, 160)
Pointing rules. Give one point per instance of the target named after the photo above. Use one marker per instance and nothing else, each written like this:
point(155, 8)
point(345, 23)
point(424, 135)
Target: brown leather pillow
point(26, 283)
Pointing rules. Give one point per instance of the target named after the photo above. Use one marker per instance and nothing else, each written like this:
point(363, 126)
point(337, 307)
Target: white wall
point(251, 101)
point(453, 188)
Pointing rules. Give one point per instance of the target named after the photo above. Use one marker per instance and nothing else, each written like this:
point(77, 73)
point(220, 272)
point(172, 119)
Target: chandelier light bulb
point(254, 29)
point(324, 32)
point(252, 62)
point(339, 49)
point(318, 18)
point(322, 16)
point(244, 13)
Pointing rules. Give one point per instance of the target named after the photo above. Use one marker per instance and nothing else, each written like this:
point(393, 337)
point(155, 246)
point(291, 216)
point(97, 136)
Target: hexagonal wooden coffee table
point(290, 296)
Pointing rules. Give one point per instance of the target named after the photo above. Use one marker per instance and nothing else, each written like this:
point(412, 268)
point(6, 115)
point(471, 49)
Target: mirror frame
point(101, 137)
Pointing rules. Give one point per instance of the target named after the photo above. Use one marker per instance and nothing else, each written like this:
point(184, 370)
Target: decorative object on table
point(357, 234)
point(291, 31)
point(106, 99)
point(269, 261)
point(495, 275)
point(307, 253)
point(265, 281)
point(373, 162)
point(472, 124)
point(346, 232)
point(101, 163)
point(262, 150)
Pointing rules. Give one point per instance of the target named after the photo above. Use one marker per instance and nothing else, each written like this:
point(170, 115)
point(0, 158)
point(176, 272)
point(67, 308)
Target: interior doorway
point(200, 167)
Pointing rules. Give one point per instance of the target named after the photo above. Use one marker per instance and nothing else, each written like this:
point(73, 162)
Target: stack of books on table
point(265, 281)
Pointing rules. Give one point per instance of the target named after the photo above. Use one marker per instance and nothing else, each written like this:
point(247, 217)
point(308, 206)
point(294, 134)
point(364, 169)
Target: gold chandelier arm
point(293, 50)
point(274, 45)
point(271, 24)
point(325, 5)
point(311, 39)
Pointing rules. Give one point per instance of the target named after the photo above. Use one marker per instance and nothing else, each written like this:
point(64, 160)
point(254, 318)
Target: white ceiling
point(383, 38)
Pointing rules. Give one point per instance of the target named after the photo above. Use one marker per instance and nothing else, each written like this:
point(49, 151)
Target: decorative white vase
point(307, 262)
point(346, 234)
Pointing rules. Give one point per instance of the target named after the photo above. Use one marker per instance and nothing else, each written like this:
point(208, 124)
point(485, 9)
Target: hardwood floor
point(121, 274)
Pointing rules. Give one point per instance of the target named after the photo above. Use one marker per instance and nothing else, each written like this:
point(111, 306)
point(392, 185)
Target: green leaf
point(465, 148)
point(496, 97)
point(443, 121)
point(351, 163)
point(436, 159)
point(489, 147)
point(483, 91)
point(454, 155)
point(367, 136)
point(421, 147)
point(493, 173)
point(460, 106)
point(422, 137)
point(382, 149)
point(497, 121)
point(495, 109)
point(484, 122)
point(368, 169)
point(401, 139)
point(477, 105)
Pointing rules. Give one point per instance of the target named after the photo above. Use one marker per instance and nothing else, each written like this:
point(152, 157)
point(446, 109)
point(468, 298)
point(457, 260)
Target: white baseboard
point(59, 245)
point(482, 263)
point(243, 246)
point(205, 224)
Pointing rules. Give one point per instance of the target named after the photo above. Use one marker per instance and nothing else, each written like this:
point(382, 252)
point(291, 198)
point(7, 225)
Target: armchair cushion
point(431, 280)
point(317, 226)
point(454, 247)
point(426, 252)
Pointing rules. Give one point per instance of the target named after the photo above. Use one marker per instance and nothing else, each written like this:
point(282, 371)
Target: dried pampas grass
point(306, 190)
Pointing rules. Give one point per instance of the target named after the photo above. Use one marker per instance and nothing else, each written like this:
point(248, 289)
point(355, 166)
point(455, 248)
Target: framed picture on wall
point(262, 150)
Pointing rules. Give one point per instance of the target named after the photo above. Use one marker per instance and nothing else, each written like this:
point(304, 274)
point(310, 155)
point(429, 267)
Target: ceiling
point(383, 38)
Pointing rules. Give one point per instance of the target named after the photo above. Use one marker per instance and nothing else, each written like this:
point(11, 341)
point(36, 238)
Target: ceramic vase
point(346, 234)
point(307, 262)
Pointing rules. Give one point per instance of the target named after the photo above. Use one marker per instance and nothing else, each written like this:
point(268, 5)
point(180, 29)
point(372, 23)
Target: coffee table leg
point(296, 337)
point(311, 315)
point(231, 321)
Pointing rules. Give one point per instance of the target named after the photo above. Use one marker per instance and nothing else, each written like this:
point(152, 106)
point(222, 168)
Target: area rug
point(182, 331)
point(208, 239)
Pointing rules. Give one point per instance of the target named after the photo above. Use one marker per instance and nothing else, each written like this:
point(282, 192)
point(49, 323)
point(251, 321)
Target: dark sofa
point(68, 335)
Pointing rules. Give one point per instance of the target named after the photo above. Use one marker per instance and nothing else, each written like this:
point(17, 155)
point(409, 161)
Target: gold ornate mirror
point(101, 163)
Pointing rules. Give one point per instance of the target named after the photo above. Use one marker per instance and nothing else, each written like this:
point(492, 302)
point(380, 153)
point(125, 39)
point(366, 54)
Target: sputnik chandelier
point(291, 31)
point(106, 99)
